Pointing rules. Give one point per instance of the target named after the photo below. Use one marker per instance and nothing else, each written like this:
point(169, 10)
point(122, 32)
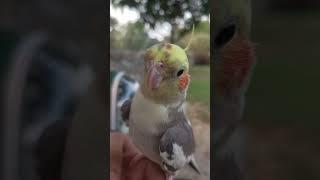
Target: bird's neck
point(167, 99)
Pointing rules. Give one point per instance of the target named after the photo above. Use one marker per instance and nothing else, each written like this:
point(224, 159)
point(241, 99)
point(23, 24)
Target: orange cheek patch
point(184, 81)
point(237, 61)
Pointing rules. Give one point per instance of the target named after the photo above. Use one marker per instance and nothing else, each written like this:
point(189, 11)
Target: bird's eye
point(224, 36)
point(180, 72)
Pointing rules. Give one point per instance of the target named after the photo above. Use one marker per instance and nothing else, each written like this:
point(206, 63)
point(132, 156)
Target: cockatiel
point(157, 122)
point(233, 60)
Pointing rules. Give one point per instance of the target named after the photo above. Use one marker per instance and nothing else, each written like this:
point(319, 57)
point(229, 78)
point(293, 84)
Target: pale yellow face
point(170, 54)
point(233, 51)
point(166, 75)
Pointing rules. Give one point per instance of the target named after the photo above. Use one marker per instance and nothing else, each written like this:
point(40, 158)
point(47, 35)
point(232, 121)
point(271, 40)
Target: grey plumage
point(179, 135)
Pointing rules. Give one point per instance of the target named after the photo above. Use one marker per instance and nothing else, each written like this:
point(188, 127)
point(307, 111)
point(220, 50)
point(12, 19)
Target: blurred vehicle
point(123, 88)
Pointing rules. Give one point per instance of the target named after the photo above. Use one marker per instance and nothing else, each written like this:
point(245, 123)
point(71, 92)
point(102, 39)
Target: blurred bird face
point(233, 66)
point(166, 75)
point(233, 51)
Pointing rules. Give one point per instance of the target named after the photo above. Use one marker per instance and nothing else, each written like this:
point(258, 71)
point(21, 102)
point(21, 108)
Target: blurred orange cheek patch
point(184, 81)
point(237, 61)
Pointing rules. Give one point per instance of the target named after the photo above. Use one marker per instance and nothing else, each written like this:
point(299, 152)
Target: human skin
point(128, 163)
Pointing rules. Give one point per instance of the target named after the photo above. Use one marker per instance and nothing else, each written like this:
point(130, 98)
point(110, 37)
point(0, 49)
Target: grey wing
point(177, 146)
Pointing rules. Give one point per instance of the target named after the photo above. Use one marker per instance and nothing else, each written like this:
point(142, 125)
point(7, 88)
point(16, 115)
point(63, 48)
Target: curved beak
point(154, 76)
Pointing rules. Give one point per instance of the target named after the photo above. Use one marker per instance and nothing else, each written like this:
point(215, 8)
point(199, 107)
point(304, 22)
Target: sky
point(125, 15)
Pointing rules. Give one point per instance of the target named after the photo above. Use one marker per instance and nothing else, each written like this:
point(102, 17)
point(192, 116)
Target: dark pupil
point(224, 36)
point(180, 72)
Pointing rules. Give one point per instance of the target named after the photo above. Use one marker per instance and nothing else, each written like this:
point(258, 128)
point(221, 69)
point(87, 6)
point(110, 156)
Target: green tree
point(135, 37)
point(113, 23)
point(131, 36)
point(114, 34)
point(171, 11)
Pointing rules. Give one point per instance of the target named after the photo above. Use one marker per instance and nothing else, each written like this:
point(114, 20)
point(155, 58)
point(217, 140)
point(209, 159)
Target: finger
point(135, 166)
point(129, 150)
point(116, 155)
point(141, 168)
point(138, 167)
point(154, 171)
point(131, 157)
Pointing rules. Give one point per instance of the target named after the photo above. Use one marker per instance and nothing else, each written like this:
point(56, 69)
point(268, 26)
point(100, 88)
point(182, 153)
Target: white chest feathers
point(147, 115)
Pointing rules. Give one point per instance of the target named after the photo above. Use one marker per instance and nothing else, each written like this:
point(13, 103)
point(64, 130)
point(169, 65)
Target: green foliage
point(115, 39)
point(135, 36)
point(200, 40)
point(200, 45)
point(113, 22)
point(284, 89)
point(171, 11)
point(131, 36)
point(199, 88)
point(201, 26)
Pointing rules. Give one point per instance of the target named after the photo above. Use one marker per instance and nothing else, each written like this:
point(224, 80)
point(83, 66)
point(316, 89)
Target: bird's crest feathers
point(189, 43)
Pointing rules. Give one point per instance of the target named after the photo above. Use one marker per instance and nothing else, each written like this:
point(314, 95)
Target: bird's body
point(147, 134)
point(158, 125)
point(167, 120)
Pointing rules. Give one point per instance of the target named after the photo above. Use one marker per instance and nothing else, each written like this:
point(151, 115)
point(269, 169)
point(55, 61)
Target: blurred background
point(137, 25)
point(51, 52)
point(282, 114)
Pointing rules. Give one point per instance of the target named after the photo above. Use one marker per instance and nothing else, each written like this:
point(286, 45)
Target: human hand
point(128, 163)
